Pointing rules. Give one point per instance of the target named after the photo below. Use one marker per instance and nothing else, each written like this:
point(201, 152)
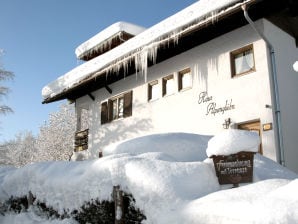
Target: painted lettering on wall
point(203, 98)
point(213, 107)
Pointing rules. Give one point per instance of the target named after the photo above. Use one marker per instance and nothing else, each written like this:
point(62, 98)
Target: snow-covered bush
point(92, 212)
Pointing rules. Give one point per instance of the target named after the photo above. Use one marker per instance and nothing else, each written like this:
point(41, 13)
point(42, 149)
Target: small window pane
point(168, 85)
point(153, 91)
point(120, 107)
point(115, 111)
point(242, 61)
point(185, 79)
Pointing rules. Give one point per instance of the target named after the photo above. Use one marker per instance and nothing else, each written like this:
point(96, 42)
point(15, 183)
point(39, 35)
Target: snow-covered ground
point(170, 177)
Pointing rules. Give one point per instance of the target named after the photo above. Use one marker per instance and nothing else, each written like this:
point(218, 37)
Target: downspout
point(275, 92)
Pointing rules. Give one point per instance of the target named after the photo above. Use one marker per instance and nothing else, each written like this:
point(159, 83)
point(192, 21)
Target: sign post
point(235, 168)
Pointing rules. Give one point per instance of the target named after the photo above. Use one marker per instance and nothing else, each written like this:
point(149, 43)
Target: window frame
point(107, 107)
point(239, 51)
point(180, 79)
point(150, 90)
point(164, 85)
point(117, 114)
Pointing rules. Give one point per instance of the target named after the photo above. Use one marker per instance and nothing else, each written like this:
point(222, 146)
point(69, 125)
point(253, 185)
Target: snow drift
point(167, 189)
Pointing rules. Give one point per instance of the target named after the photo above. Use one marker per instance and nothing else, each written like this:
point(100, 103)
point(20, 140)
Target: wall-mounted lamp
point(227, 123)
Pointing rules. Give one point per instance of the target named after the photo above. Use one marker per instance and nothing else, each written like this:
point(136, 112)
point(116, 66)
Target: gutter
point(274, 89)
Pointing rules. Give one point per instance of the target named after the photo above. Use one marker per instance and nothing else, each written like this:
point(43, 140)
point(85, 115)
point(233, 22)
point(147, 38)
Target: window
point(184, 79)
point(116, 107)
point(168, 85)
point(242, 61)
point(82, 130)
point(153, 90)
point(81, 140)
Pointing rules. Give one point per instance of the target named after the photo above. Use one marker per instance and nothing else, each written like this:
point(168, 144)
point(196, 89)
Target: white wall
point(181, 112)
point(286, 53)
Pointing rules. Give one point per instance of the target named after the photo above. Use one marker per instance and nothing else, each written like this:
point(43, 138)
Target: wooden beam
point(91, 96)
point(108, 89)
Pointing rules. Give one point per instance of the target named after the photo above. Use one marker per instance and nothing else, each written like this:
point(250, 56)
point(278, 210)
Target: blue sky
point(39, 38)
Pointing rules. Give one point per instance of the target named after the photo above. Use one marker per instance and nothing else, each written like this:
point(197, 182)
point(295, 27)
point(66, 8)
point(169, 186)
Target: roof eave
point(203, 33)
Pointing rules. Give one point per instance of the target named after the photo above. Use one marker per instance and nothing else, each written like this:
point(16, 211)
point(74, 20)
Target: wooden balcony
point(81, 140)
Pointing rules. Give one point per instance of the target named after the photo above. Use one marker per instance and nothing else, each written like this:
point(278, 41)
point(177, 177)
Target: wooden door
point(252, 126)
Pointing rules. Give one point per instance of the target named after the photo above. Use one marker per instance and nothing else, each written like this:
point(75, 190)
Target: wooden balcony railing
point(81, 140)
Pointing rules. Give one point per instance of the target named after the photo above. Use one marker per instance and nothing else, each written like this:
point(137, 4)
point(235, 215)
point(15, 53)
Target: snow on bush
point(165, 189)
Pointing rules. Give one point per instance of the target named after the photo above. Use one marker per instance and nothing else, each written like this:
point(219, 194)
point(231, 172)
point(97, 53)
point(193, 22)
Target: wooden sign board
point(235, 168)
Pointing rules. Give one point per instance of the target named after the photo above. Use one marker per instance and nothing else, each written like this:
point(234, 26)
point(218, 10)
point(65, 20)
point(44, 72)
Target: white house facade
point(210, 74)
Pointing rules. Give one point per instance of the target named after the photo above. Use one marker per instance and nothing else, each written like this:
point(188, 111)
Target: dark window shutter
point(180, 81)
point(164, 87)
point(104, 113)
point(127, 104)
point(110, 110)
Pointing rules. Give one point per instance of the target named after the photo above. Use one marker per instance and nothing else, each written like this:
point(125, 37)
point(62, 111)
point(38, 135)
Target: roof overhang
point(196, 34)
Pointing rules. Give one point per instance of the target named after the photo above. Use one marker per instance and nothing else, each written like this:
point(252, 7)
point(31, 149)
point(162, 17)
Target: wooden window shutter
point(180, 77)
point(110, 110)
point(104, 113)
point(127, 104)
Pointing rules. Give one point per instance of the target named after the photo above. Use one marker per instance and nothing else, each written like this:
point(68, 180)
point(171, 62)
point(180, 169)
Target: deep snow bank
point(166, 189)
point(184, 147)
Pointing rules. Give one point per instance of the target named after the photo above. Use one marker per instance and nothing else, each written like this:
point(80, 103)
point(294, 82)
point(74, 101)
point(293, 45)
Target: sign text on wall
point(212, 107)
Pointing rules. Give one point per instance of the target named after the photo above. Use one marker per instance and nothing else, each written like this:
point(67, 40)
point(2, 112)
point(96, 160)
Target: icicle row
point(149, 52)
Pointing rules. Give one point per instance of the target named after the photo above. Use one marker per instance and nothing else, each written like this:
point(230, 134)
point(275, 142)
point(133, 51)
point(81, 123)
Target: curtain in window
point(244, 62)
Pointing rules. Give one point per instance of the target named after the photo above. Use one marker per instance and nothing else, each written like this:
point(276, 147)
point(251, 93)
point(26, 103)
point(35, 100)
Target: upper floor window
point(168, 85)
point(184, 79)
point(242, 60)
point(116, 107)
point(153, 90)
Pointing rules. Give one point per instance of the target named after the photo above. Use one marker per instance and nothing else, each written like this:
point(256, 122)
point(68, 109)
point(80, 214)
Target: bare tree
point(19, 151)
point(4, 76)
point(55, 139)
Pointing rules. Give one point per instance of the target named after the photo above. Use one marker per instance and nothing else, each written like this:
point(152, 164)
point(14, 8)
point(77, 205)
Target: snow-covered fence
point(119, 210)
point(118, 201)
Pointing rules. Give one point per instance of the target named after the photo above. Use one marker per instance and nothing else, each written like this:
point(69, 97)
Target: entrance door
point(252, 126)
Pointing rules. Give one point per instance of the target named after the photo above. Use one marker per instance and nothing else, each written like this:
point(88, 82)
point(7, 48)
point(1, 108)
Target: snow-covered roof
point(143, 46)
point(104, 37)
